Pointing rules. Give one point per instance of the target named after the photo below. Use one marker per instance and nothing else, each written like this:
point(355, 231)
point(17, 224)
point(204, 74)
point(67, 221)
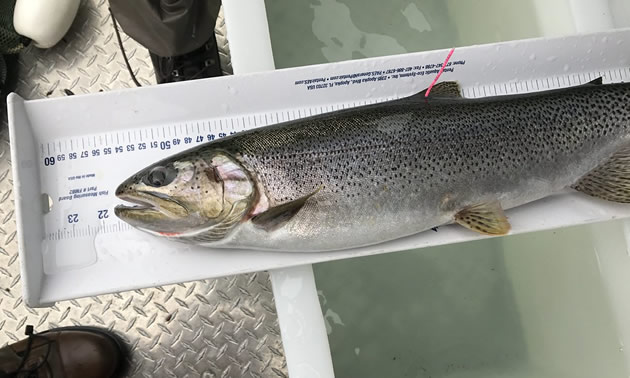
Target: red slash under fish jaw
point(169, 234)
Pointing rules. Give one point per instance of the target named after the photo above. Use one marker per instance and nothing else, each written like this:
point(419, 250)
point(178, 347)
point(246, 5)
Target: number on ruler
point(142, 146)
point(211, 136)
point(96, 152)
point(130, 147)
point(176, 141)
point(102, 214)
point(154, 144)
point(49, 161)
point(84, 154)
point(107, 150)
point(187, 140)
point(61, 157)
point(72, 155)
point(73, 218)
point(199, 138)
point(166, 145)
point(118, 149)
point(221, 135)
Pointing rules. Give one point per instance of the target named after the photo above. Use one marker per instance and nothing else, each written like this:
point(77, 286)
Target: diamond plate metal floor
point(217, 328)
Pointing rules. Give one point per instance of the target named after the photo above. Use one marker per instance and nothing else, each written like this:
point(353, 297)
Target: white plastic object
point(243, 101)
point(44, 21)
point(302, 326)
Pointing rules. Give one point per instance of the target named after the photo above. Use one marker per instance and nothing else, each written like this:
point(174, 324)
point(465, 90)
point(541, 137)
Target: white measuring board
point(77, 150)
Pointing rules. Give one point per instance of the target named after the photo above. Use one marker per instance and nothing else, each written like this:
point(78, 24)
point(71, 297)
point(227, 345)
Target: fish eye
point(160, 176)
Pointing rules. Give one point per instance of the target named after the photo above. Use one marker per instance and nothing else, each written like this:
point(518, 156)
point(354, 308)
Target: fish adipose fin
point(598, 81)
point(610, 181)
point(485, 218)
point(278, 216)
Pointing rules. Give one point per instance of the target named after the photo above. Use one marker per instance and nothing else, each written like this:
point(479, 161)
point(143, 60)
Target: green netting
point(10, 41)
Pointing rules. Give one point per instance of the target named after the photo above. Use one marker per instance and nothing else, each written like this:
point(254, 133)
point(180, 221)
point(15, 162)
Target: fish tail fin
point(610, 181)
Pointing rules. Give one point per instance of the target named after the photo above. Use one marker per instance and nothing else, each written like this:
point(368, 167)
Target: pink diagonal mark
point(439, 73)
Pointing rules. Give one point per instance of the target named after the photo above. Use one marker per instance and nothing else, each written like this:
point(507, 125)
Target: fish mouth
point(148, 203)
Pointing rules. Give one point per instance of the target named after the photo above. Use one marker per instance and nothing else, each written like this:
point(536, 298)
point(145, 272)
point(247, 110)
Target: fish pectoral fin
point(448, 89)
point(485, 218)
point(610, 181)
point(278, 216)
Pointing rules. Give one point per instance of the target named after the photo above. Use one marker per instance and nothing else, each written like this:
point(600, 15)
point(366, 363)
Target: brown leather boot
point(69, 352)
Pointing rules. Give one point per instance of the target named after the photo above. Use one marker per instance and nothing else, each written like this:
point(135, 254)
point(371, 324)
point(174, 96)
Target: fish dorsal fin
point(278, 216)
point(445, 89)
point(485, 218)
point(598, 81)
point(610, 181)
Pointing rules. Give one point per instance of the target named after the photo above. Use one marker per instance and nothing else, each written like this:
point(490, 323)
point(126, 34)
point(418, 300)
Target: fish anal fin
point(485, 218)
point(610, 181)
point(277, 216)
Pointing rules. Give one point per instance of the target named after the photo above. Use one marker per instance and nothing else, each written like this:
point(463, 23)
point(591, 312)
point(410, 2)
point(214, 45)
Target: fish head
point(187, 193)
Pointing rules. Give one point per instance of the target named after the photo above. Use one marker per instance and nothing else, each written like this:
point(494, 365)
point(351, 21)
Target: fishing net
point(10, 41)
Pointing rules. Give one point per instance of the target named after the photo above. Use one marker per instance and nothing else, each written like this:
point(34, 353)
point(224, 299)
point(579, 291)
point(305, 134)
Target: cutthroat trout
point(374, 173)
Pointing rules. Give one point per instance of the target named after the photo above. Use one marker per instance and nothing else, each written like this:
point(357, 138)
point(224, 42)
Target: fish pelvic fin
point(278, 216)
point(610, 181)
point(485, 218)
